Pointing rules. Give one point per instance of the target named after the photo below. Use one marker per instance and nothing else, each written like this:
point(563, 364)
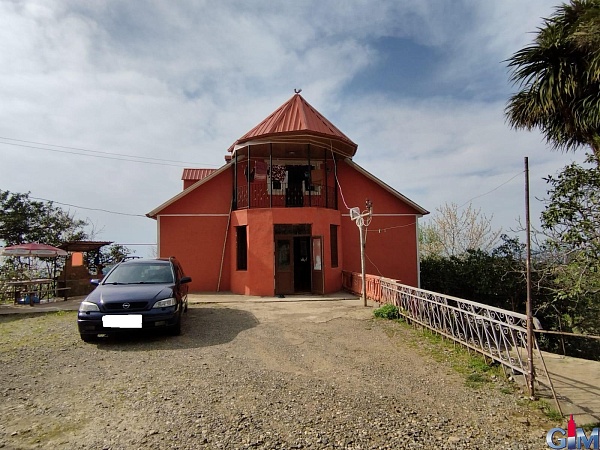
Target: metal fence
point(261, 195)
point(498, 334)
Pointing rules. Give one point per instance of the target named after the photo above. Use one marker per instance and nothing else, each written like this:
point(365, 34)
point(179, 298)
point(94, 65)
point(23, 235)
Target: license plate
point(122, 321)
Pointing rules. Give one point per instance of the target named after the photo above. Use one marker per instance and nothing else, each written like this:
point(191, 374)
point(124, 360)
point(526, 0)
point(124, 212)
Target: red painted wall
point(391, 246)
point(193, 230)
point(258, 279)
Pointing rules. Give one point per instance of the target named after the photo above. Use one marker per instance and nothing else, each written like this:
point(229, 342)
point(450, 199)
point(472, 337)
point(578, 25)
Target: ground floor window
point(333, 232)
point(242, 247)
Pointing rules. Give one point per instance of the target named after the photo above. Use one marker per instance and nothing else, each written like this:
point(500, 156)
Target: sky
point(104, 103)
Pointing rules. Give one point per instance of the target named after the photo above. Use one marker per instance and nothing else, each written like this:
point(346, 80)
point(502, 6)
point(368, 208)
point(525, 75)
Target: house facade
point(275, 219)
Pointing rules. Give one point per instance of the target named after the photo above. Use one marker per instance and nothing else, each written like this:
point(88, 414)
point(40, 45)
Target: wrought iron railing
point(498, 334)
point(282, 195)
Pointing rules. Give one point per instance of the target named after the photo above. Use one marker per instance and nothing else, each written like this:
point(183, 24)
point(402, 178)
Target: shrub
point(387, 312)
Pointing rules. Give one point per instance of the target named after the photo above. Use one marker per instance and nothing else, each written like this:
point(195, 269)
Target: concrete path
point(576, 381)
point(577, 385)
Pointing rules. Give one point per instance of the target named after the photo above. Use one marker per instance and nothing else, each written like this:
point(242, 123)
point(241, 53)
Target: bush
point(387, 312)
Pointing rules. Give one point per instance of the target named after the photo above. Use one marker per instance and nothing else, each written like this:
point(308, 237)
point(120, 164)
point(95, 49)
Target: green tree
point(23, 219)
point(571, 222)
point(559, 79)
point(107, 256)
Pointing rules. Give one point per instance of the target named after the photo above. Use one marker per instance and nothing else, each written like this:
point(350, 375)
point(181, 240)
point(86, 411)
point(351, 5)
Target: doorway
point(302, 264)
point(294, 194)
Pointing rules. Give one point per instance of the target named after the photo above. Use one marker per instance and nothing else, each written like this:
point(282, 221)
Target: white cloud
point(183, 80)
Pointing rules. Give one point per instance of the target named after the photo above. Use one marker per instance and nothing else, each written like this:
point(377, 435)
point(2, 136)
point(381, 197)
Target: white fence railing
point(498, 334)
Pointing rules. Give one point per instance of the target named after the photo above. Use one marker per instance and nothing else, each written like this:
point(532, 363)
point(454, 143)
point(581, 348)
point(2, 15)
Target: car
point(150, 294)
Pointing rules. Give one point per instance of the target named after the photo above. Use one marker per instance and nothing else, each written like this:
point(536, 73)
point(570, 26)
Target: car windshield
point(140, 274)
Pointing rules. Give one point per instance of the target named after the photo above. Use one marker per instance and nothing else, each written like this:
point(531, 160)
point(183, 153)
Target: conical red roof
point(297, 118)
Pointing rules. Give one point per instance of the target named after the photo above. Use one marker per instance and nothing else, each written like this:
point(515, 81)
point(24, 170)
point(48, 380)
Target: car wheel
point(175, 330)
point(88, 337)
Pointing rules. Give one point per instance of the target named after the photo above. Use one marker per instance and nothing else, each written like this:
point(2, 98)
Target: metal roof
point(297, 117)
point(83, 246)
point(196, 174)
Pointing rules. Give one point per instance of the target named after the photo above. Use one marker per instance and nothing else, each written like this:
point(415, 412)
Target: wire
point(376, 268)
point(124, 157)
point(91, 209)
point(489, 192)
point(391, 228)
point(336, 177)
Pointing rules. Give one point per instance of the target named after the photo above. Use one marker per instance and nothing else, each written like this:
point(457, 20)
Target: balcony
point(284, 195)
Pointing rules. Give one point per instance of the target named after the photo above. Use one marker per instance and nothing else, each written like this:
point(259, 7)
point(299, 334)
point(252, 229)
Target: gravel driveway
point(270, 375)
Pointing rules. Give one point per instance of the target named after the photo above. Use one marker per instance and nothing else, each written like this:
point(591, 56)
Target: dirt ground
point(267, 375)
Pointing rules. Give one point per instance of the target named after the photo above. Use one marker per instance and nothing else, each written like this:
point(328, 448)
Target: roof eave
point(156, 211)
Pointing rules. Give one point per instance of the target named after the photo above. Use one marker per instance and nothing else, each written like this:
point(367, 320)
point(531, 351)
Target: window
point(241, 248)
point(333, 232)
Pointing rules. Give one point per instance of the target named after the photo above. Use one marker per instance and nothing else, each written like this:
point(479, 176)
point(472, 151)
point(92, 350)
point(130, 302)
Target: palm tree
point(559, 78)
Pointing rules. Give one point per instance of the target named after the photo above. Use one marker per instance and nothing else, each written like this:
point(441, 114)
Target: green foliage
point(494, 278)
point(387, 312)
point(571, 222)
point(106, 256)
point(498, 279)
point(549, 410)
point(25, 220)
point(475, 368)
point(559, 77)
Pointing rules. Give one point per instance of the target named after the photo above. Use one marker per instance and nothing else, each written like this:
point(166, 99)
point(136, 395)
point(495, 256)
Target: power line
point(489, 192)
point(113, 155)
point(379, 230)
point(468, 201)
point(91, 209)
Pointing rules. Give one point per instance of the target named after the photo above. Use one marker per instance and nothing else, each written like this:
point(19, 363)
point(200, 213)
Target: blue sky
point(419, 86)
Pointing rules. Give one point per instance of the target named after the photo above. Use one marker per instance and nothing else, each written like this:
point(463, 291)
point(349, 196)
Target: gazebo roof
point(297, 121)
point(83, 246)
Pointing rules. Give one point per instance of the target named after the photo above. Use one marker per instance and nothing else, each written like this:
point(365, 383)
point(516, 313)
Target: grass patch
point(27, 330)
point(590, 426)
point(390, 312)
point(547, 409)
point(477, 371)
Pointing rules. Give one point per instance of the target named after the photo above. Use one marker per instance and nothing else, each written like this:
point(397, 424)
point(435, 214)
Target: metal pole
point(248, 174)
point(361, 229)
point(529, 309)
point(271, 175)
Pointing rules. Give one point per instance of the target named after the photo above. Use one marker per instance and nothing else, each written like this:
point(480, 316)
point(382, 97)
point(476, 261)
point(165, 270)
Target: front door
point(293, 264)
point(302, 264)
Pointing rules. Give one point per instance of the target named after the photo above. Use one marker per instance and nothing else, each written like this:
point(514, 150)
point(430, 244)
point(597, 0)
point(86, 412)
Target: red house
point(275, 219)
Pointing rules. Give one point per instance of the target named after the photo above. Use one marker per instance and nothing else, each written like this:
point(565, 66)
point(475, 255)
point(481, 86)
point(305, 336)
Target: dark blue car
point(136, 293)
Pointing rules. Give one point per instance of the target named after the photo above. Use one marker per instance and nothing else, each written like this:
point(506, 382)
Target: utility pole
point(529, 310)
point(362, 228)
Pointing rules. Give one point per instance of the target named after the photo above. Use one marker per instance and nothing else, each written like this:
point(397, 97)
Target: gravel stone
point(270, 375)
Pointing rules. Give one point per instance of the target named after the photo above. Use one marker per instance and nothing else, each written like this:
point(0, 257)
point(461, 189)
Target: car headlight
point(88, 306)
point(164, 303)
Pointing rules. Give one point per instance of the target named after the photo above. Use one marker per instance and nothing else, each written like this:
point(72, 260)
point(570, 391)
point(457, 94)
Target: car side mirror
point(95, 281)
point(185, 280)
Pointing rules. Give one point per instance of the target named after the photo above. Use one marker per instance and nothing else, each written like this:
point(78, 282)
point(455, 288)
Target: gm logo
point(573, 437)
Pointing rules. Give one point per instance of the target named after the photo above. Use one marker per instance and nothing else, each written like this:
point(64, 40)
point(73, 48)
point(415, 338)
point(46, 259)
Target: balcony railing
point(284, 195)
